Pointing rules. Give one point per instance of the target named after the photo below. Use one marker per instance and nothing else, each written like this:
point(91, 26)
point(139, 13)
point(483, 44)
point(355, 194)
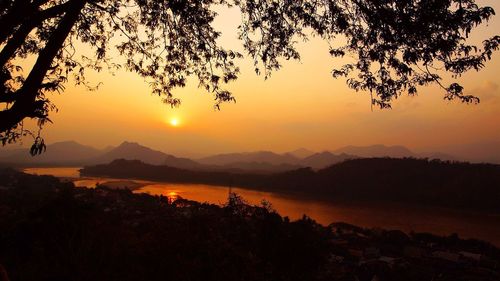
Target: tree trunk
point(13, 18)
point(26, 104)
point(20, 35)
point(14, 43)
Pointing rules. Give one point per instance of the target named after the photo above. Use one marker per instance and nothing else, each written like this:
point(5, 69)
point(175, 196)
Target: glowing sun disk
point(174, 122)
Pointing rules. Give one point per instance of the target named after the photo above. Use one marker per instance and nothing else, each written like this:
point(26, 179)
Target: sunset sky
point(299, 106)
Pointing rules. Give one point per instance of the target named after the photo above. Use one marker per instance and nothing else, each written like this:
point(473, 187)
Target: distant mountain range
point(325, 159)
point(72, 153)
point(246, 157)
point(59, 153)
point(287, 161)
point(396, 151)
point(132, 151)
point(377, 151)
point(485, 151)
point(301, 153)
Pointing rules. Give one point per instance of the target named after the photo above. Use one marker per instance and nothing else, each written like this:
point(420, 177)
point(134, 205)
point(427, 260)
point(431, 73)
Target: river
point(438, 221)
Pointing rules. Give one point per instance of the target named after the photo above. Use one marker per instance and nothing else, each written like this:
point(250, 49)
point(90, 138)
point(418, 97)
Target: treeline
point(54, 231)
point(50, 230)
point(416, 181)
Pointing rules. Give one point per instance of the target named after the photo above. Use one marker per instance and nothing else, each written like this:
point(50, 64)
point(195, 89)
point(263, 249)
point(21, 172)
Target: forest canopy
point(395, 45)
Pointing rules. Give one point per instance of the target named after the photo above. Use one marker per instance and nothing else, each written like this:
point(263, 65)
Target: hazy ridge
point(71, 153)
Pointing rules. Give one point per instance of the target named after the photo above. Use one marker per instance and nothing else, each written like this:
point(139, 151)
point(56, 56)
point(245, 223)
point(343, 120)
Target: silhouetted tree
point(396, 45)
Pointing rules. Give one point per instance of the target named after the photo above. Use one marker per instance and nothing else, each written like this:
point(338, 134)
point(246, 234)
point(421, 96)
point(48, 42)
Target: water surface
point(388, 216)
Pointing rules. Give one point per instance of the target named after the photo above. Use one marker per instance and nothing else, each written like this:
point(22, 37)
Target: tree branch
point(26, 104)
point(16, 41)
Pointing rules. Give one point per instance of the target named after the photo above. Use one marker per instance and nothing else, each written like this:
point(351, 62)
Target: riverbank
point(460, 186)
point(55, 231)
point(368, 214)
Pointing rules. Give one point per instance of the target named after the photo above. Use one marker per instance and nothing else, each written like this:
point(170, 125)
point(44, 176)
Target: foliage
point(414, 181)
point(51, 230)
point(396, 46)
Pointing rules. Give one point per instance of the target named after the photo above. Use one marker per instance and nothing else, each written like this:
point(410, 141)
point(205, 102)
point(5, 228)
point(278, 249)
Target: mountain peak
point(67, 152)
point(377, 150)
point(301, 152)
point(130, 143)
point(133, 151)
point(258, 156)
point(68, 143)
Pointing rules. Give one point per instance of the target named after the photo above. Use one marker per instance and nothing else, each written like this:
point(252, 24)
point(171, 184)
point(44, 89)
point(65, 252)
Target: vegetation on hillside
point(416, 181)
point(53, 231)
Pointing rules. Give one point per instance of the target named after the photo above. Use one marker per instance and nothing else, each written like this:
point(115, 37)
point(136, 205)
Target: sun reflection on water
point(172, 196)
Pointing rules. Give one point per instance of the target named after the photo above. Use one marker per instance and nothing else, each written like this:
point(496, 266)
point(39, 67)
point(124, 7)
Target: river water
point(388, 216)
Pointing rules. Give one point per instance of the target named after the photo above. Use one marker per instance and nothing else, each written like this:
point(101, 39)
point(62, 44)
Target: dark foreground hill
point(53, 231)
point(415, 181)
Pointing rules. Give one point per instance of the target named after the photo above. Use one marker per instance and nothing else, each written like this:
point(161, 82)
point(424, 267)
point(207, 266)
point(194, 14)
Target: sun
point(174, 122)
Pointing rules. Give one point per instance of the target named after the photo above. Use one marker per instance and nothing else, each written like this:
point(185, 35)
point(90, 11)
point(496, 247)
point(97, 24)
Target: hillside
point(135, 151)
point(325, 159)
point(420, 182)
point(54, 231)
point(70, 153)
point(132, 151)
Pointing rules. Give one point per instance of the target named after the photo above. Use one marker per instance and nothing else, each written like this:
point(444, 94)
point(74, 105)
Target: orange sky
point(299, 106)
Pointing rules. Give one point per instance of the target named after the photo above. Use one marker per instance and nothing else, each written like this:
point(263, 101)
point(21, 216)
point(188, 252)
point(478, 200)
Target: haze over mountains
point(73, 153)
point(60, 153)
point(132, 151)
point(376, 151)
